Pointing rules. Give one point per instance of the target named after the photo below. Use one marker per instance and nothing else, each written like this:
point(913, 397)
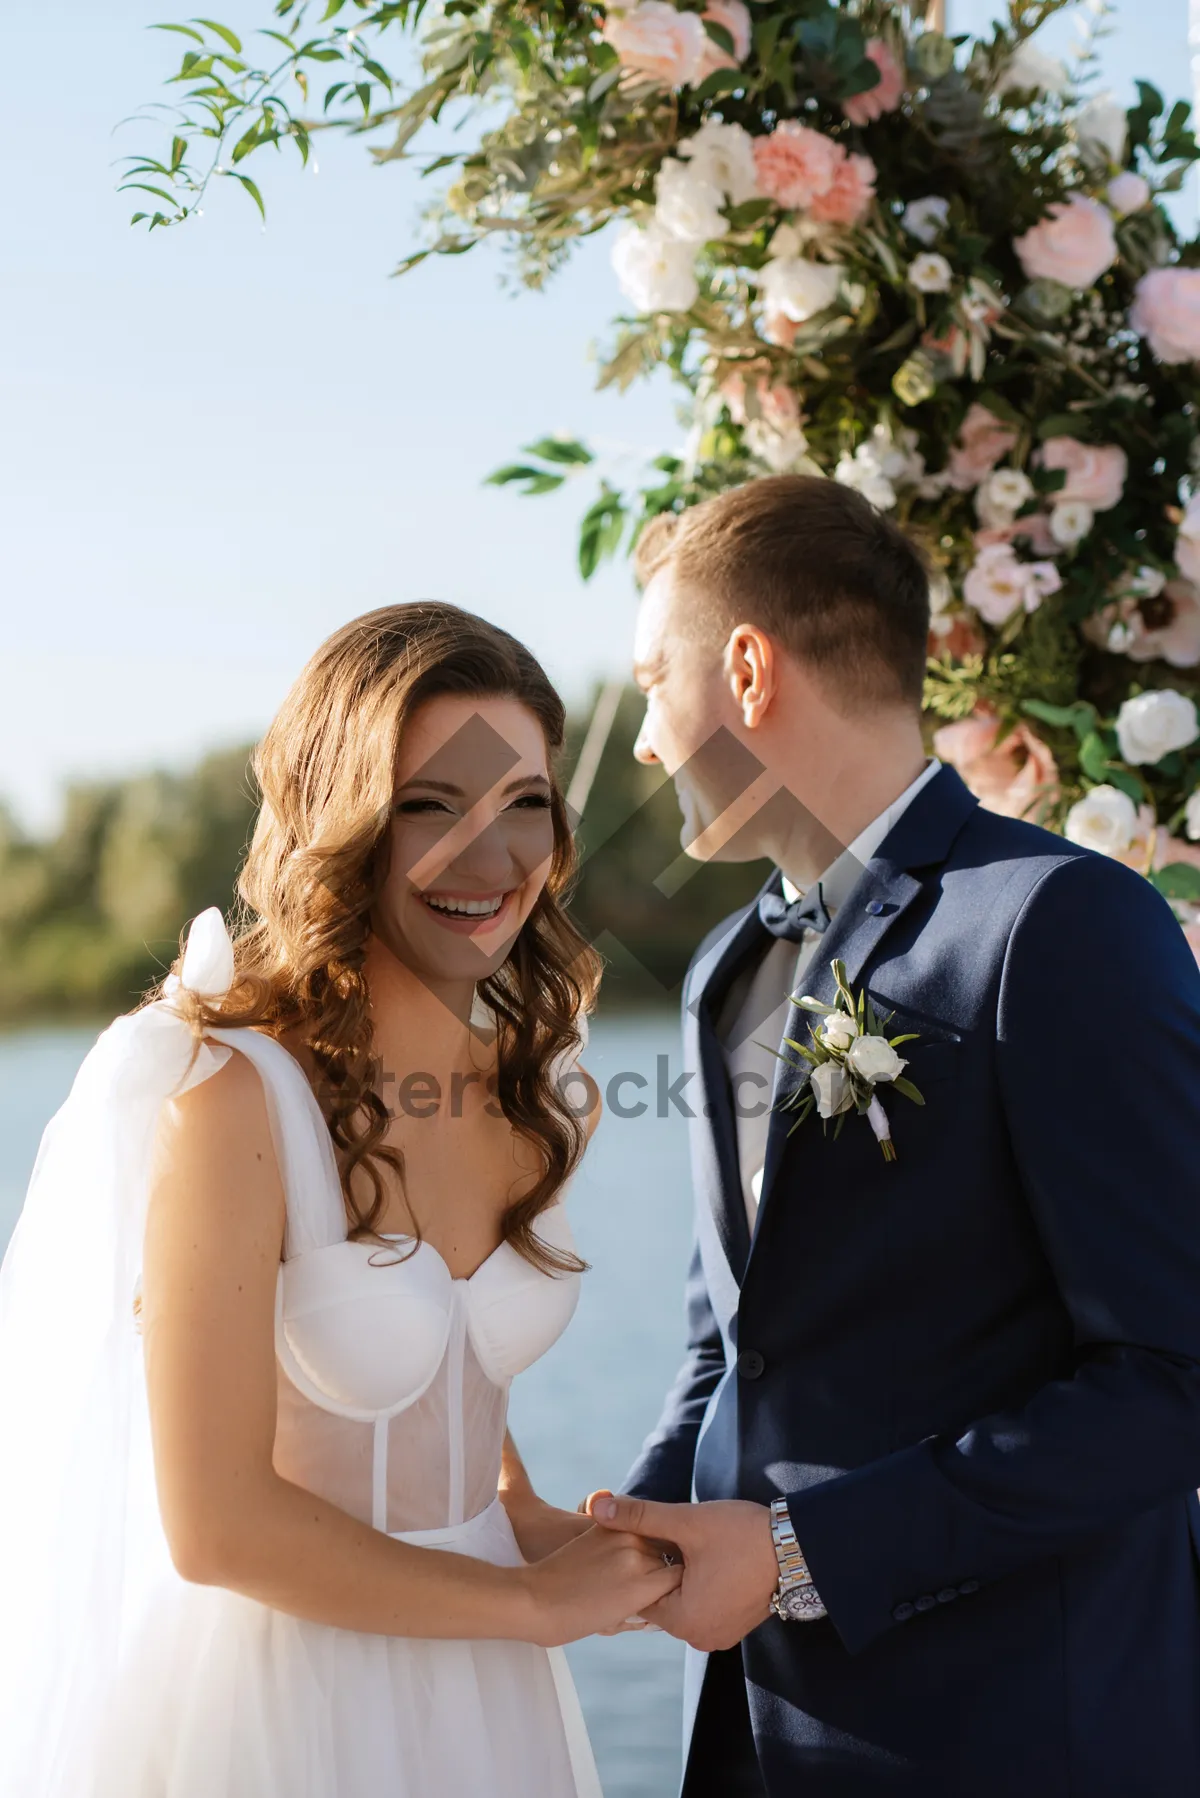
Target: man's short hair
point(815, 565)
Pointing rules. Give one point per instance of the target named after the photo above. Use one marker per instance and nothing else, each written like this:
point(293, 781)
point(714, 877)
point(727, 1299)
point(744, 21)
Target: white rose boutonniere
point(850, 1054)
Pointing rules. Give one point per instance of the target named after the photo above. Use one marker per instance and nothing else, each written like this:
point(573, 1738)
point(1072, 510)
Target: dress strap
point(316, 1213)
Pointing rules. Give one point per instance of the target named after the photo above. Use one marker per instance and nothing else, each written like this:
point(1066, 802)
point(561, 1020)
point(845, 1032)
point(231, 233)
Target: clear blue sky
point(220, 442)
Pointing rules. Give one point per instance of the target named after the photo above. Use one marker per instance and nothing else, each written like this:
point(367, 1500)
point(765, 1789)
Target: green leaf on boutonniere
point(911, 1037)
point(908, 1089)
point(808, 1054)
point(813, 1005)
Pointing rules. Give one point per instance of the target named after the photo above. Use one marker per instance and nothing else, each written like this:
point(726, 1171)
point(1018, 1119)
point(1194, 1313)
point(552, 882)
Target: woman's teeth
point(465, 908)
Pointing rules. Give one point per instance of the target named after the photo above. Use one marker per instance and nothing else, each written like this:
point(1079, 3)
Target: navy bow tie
point(790, 921)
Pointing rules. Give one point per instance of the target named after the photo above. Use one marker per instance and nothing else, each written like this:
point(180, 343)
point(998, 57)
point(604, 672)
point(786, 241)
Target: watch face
point(798, 1604)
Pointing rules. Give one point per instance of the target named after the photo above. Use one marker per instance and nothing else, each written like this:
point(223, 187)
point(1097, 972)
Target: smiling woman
point(275, 1318)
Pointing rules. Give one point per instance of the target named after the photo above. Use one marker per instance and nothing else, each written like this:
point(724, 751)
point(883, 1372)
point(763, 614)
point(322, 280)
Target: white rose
point(832, 1089)
point(926, 219)
point(1070, 522)
point(1104, 819)
point(779, 447)
point(839, 1030)
point(862, 472)
point(688, 207)
point(1004, 492)
point(930, 273)
point(1154, 724)
point(724, 155)
point(657, 273)
point(1127, 192)
point(798, 288)
point(1101, 129)
point(1192, 817)
point(873, 1058)
point(1030, 67)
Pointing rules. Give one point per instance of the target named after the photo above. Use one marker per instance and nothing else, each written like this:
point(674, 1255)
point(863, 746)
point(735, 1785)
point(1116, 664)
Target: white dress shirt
point(756, 1010)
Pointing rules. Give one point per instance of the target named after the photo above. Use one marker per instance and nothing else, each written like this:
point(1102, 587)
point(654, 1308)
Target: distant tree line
point(90, 915)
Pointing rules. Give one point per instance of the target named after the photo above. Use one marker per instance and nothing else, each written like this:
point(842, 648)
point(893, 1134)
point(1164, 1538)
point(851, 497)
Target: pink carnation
point(1073, 244)
point(982, 441)
point(1166, 312)
point(885, 96)
point(1095, 473)
point(796, 164)
point(1016, 778)
point(849, 199)
point(734, 17)
point(656, 40)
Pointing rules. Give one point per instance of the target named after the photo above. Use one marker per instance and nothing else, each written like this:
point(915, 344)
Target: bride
point(296, 1229)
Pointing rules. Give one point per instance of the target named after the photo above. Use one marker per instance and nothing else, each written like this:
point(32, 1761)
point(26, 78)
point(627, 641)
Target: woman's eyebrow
point(453, 792)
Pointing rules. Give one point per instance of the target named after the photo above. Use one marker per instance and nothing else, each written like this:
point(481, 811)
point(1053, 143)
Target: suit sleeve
point(663, 1470)
point(1098, 1060)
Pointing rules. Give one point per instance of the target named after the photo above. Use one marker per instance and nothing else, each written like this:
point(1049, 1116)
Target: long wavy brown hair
point(317, 861)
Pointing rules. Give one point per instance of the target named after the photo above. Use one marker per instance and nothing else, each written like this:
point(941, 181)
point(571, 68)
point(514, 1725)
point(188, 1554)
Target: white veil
point(81, 1544)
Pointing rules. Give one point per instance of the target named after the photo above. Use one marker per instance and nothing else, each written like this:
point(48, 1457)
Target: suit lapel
point(889, 883)
point(717, 1161)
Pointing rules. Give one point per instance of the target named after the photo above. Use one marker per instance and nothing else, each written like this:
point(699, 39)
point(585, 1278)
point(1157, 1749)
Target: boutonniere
point(851, 1054)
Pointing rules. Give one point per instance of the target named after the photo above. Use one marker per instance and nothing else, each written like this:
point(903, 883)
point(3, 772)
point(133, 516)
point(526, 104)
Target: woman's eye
point(536, 801)
point(412, 807)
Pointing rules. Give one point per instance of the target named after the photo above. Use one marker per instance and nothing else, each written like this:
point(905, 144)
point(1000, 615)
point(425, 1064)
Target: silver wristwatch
point(795, 1599)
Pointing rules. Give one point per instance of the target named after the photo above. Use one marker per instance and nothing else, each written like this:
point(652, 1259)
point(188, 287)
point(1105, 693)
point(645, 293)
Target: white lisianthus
point(799, 288)
point(863, 473)
point(1101, 130)
point(687, 206)
point(724, 155)
point(873, 1058)
point(779, 446)
point(1001, 496)
point(1155, 723)
point(1191, 817)
point(881, 465)
point(1104, 819)
point(926, 219)
point(1070, 522)
point(839, 1030)
point(1030, 68)
point(831, 1089)
point(657, 273)
point(1127, 192)
point(930, 273)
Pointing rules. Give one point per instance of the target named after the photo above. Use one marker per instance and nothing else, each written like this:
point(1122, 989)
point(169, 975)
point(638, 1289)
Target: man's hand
point(730, 1568)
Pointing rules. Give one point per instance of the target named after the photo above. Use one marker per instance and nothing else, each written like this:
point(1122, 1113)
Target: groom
point(931, 1456)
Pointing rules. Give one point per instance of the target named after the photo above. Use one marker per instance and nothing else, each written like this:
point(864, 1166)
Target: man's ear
point(751, 666)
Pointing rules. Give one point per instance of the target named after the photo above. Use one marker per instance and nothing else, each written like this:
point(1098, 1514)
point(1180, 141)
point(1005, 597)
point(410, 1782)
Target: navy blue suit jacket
point(974, 1372)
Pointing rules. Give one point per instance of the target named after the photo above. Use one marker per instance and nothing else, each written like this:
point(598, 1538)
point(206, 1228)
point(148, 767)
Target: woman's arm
point(213, 1241)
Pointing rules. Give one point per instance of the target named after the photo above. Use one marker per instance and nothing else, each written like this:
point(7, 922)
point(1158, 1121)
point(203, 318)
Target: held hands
point(543, 1529)
point(594, 1583)
point(730, 1568)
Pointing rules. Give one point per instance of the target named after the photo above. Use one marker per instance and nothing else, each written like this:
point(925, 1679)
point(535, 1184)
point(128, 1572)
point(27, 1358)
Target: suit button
point(903, 1612)
point(926, 1602)
point(750, 1364)
point(947, 1595)
point(968, 1587)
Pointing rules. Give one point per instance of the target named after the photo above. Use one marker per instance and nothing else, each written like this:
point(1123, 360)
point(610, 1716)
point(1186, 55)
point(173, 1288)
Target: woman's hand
point(593, 1584)
point(543, 1529)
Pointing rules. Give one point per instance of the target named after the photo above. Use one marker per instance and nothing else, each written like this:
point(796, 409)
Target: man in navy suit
point(931, 1458)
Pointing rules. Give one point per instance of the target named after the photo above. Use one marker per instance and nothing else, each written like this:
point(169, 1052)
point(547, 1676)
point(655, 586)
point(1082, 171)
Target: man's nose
point(643, 749)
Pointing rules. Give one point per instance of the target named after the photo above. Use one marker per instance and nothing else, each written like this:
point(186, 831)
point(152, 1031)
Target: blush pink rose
point(885, 96)
point(796, 164)
point(982, 441)
point(849, 199)
point(1034, 528)
point(1166, 312)
point(1073, 244)
point(1095, 472)
point(734, 17)
point(1015, 777)
point(1160, 627)
point(780, 330)
point(778, 403)
point(658, 41)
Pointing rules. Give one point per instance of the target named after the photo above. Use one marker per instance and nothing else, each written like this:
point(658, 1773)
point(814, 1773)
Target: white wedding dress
point(120, 1680)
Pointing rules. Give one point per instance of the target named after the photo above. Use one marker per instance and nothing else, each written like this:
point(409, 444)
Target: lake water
point(580, 1414)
